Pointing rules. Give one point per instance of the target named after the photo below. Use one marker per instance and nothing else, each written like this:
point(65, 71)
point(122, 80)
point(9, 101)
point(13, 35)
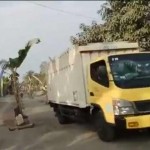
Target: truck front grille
point(142, 106)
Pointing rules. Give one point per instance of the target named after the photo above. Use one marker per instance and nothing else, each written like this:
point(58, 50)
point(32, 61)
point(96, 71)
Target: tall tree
point(124, 21)
point(89, 34)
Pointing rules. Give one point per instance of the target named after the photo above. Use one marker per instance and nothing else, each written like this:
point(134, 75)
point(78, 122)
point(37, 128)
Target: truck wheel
point(63, 119)
point(105, 131)
point(148, 130)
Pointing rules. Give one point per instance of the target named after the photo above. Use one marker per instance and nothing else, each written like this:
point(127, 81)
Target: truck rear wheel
point(63, 119)
point(105, 131)
point(148, 130)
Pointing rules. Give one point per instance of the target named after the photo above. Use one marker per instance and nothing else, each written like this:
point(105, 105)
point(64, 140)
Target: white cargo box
point(67, 74)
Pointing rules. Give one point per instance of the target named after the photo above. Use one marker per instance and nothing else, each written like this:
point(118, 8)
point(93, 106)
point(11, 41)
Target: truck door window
point(99, 73)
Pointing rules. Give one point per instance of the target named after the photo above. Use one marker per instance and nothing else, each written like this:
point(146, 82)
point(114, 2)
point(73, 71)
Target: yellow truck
point(106, 83)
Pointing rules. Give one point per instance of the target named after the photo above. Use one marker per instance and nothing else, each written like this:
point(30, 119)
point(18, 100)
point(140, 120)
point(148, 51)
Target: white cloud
point(22, 21)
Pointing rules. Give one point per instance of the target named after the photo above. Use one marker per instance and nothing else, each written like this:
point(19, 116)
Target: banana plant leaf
point(16, 62)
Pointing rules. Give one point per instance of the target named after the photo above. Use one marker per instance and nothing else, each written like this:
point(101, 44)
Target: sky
point(22, 21)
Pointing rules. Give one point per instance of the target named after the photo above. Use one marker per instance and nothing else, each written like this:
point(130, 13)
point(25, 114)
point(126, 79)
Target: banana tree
point(13, 64)
point(5, 85)
point(41, 83)
point(32, 77)
point(2, 63)
point(29, 83)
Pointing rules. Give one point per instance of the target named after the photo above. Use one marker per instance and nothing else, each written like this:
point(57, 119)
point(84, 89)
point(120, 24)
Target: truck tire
point(63, 119)
point(105, 131)
point(148, 130)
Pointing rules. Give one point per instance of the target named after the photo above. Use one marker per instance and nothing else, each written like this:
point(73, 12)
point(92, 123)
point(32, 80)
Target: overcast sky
point(22, 21)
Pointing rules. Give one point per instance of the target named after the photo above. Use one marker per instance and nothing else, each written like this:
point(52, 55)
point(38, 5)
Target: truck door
point(99, 91)
point(98, 80)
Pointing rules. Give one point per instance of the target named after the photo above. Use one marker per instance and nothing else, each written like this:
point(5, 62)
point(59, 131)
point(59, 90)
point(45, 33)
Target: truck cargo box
point(67, 73)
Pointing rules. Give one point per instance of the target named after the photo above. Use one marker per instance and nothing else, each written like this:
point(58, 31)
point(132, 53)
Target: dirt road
point(49, 135)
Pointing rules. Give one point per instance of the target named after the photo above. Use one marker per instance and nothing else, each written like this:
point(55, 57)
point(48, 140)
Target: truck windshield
point(130, 70)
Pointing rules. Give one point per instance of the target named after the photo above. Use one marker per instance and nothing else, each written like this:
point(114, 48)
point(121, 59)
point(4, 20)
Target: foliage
point(5, 80)
point(15, 63)
point(124, 21)
point(89, 34)
point(31, 74)
point(37, 79)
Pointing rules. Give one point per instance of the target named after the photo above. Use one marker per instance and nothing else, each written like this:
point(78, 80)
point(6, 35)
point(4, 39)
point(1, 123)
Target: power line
point(67, 12)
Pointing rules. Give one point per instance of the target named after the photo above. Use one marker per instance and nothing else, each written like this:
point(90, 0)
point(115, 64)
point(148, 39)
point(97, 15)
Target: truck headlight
point(122, 107)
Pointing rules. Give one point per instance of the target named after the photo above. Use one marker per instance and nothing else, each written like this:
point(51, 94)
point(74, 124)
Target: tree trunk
point(17, 94)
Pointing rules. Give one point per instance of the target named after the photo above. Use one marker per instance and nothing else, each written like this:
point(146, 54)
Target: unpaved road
point(49, 135)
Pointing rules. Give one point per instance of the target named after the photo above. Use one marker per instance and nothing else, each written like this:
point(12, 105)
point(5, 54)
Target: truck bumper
point(133, 122)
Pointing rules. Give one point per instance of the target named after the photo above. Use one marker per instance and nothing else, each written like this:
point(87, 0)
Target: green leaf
point(16, 62)
point(124, 20)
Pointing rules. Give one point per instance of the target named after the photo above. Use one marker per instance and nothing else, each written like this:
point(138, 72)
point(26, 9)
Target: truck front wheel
point(105, 131)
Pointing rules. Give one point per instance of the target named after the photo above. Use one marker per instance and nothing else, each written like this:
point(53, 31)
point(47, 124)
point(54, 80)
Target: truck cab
point(119, 86)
